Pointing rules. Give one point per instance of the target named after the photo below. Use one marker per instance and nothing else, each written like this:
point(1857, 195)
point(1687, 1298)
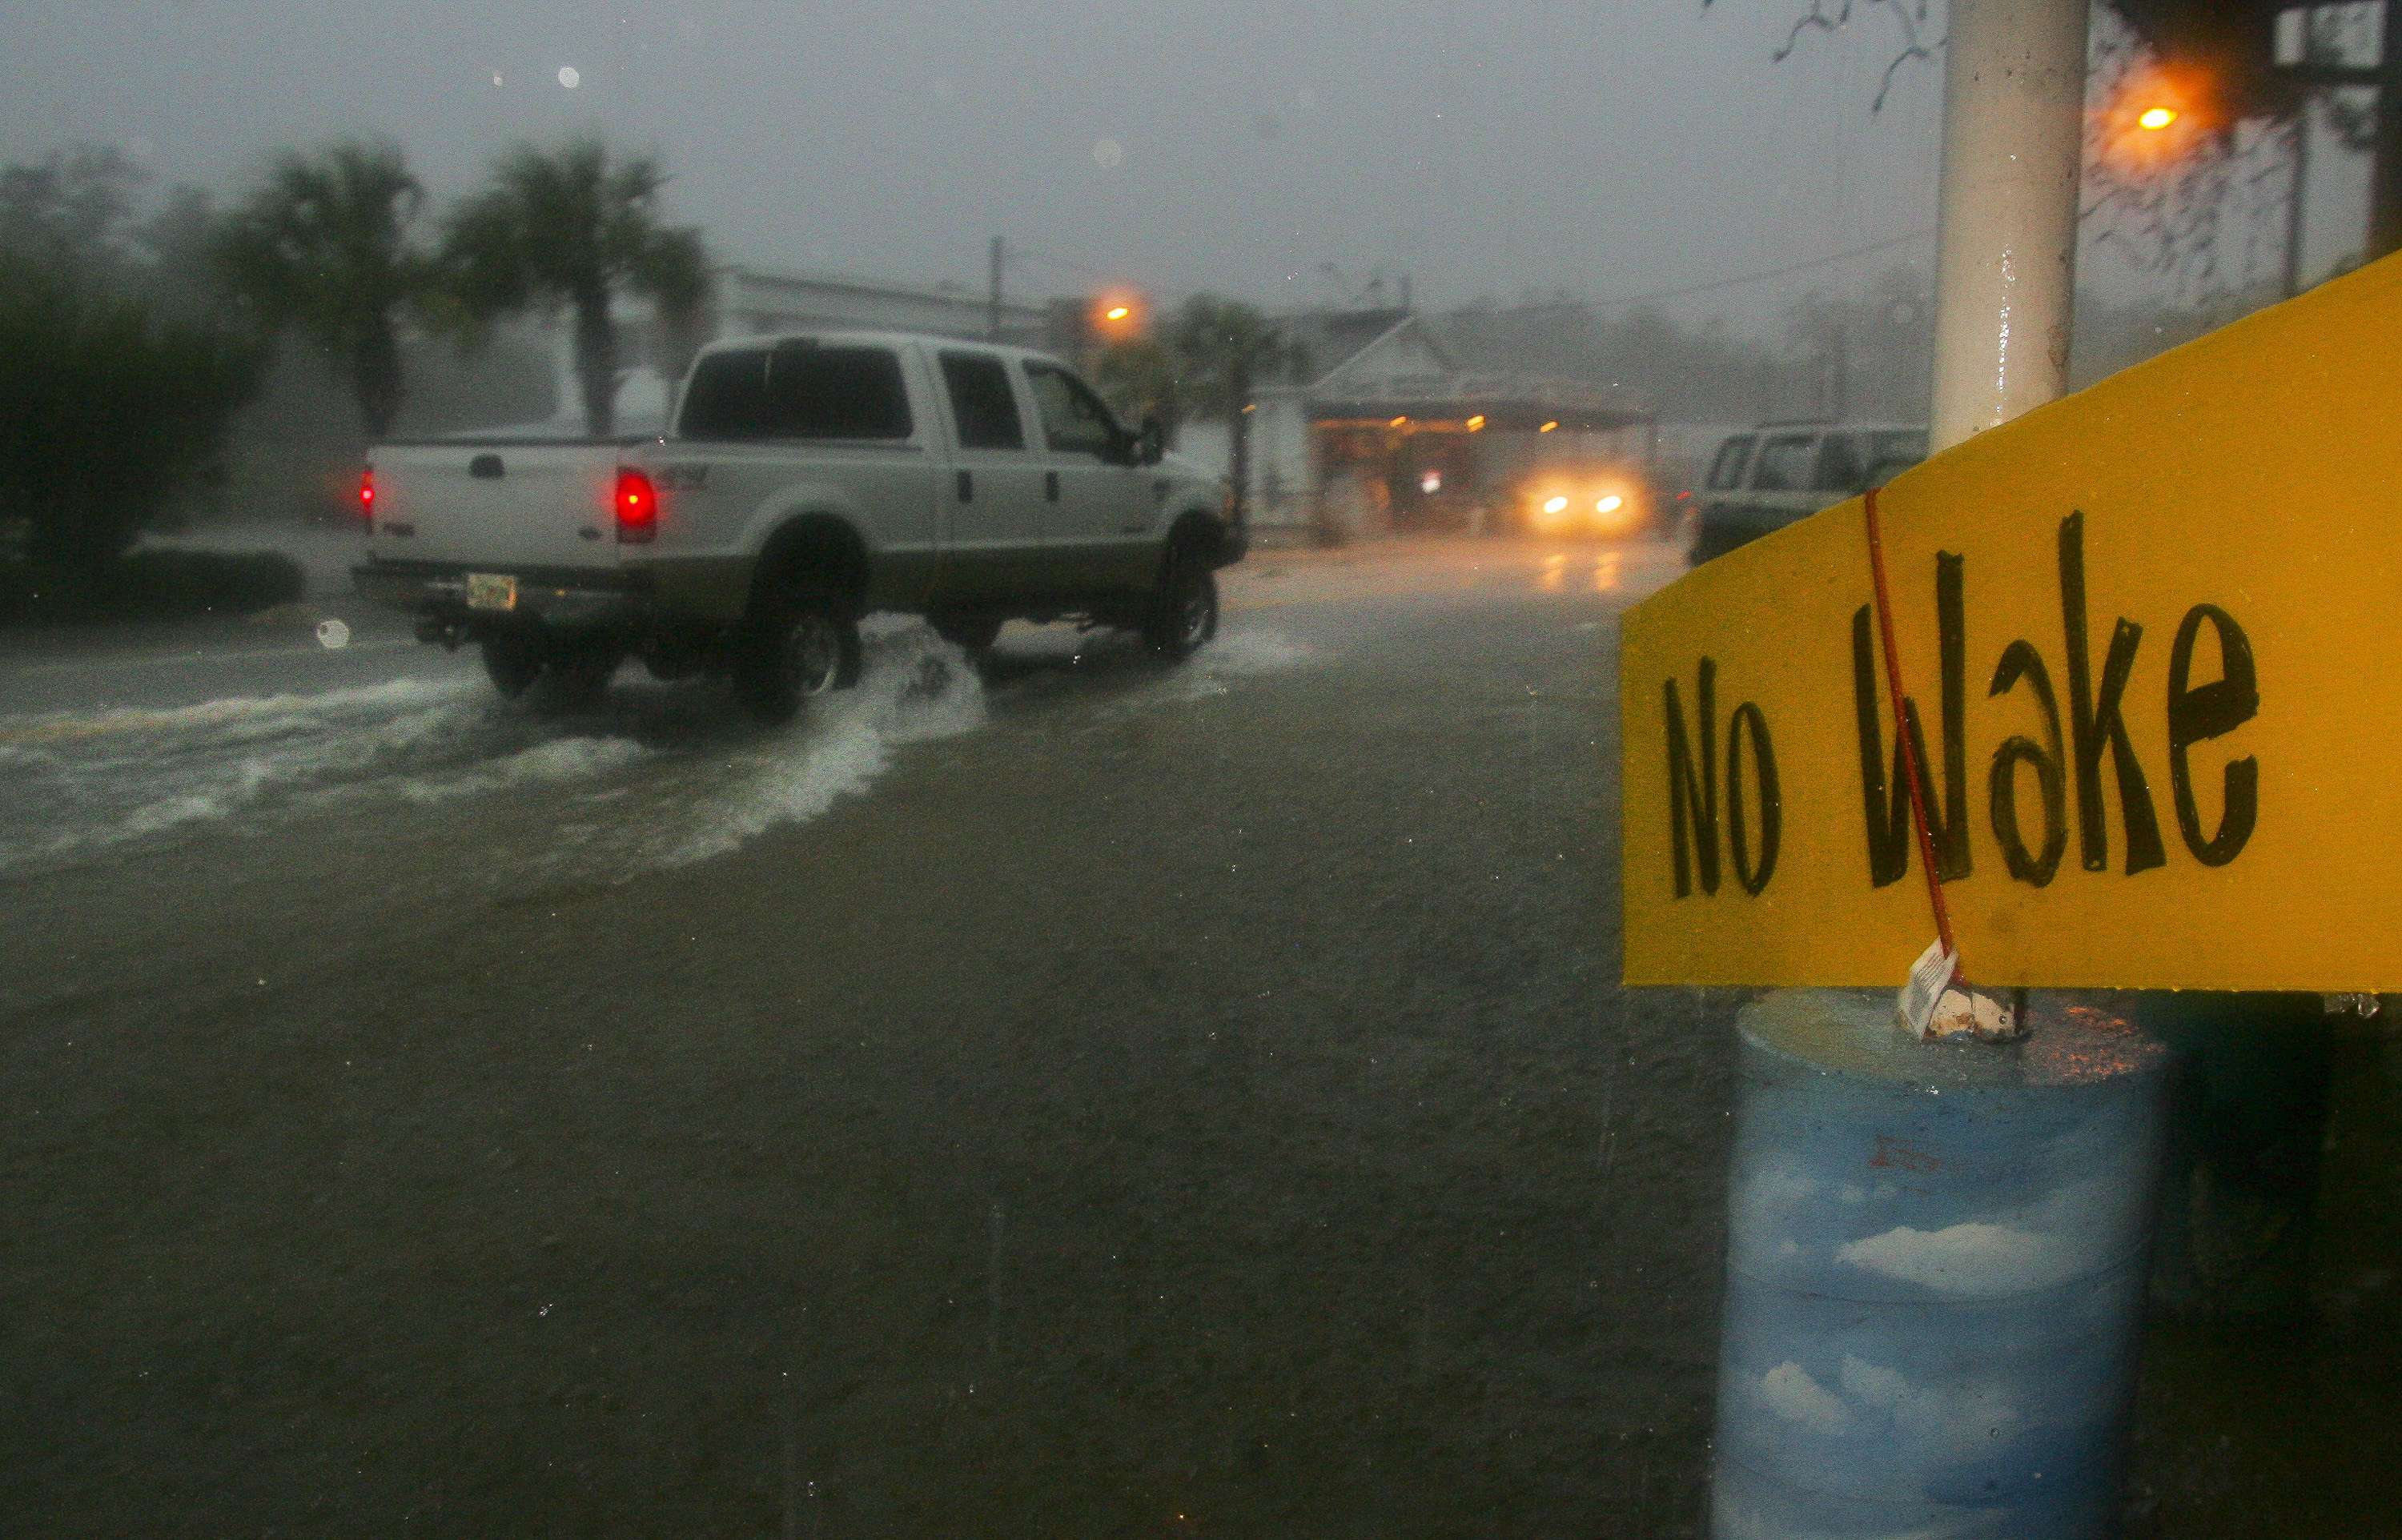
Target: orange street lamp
point(1549, 426)
point(2157, 114)
point(1119, 315)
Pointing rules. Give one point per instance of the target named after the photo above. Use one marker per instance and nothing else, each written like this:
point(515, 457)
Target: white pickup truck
point(809, 480)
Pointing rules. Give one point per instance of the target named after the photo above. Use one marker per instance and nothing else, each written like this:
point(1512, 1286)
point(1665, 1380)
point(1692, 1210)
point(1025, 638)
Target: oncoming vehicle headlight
point(1609, 503)
point(1555, 504)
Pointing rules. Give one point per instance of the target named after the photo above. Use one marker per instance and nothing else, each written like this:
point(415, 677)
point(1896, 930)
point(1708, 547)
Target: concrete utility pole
point(1838, 371)
point(2006, 258)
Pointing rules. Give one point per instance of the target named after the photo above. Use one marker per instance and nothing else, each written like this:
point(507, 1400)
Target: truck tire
point(1183, 609)
point(800, 639)
point(511, 664)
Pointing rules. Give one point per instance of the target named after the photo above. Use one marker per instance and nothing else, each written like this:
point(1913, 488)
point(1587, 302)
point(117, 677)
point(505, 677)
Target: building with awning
point(1379, 429)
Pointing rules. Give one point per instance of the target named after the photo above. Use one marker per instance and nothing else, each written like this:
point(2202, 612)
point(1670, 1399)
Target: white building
point(751, 301)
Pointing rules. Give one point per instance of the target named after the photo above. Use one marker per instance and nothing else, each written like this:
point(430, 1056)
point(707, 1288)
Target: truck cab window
point(1734, 459)
point(1785, 464)
point(797, 391)
point(982, 403)
point(1839, 466)
point(1902, 446)
point(1074, 420)
point(835, 393)
point(727, 396)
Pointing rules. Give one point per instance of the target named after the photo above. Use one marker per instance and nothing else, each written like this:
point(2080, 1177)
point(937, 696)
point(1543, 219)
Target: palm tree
point(1226, 348)
point(1140, 377)
point(324, 245)
point(569, 226)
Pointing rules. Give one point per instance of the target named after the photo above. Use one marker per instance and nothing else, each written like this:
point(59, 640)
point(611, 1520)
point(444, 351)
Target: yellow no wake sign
point(2152, 635)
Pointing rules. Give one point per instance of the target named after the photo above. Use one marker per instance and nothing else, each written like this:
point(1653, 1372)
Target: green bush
point(149, 585)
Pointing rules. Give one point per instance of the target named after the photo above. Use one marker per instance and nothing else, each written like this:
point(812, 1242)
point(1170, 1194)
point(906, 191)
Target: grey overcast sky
point(1605, 147)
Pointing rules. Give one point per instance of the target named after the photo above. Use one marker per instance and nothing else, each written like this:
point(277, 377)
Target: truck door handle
point(1051, 485)
point(967, 488)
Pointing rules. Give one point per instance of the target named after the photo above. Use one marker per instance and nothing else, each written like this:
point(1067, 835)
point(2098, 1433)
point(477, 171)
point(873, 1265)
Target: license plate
point(492, 591)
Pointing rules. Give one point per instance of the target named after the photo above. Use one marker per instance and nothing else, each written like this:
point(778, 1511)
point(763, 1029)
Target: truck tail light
point(366, 497)
point(637, 509)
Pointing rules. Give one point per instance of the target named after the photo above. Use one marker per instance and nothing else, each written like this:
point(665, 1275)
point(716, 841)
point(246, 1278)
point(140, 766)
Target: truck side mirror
point(1151, 441)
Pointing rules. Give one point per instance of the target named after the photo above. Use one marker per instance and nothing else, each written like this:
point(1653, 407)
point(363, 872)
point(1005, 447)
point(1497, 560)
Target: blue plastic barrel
point(1935, 1274)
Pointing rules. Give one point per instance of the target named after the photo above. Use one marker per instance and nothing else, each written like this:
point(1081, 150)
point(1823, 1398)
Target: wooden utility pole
point(2385, 172)
point(2305, 121)
point(992, 313)
point(2385, 142)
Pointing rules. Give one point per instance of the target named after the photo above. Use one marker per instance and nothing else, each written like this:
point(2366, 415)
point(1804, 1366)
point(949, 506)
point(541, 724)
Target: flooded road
point(1080, 1097)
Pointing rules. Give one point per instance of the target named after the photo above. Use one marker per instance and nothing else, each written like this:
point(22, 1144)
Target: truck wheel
point(799, 641)
point(1183, 611)
point(512, 665)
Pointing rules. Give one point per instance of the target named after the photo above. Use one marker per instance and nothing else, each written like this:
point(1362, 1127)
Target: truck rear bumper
point(552, 599)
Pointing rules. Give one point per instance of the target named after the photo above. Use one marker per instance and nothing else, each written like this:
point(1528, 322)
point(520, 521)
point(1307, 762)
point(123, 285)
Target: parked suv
point(1780, 471)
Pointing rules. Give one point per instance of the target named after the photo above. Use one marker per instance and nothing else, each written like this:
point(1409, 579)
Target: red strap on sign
point(1901, 728)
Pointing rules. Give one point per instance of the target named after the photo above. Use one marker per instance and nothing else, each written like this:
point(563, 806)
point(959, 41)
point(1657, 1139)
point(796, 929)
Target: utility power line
point(1741, 279)
point(1022, 253)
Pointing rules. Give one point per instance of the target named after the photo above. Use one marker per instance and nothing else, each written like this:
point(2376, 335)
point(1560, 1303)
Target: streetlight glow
point(1119, 313)
point(2156, 118)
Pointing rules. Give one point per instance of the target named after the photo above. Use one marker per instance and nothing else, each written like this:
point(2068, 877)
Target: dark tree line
point(128, 344)
point(122, 361)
